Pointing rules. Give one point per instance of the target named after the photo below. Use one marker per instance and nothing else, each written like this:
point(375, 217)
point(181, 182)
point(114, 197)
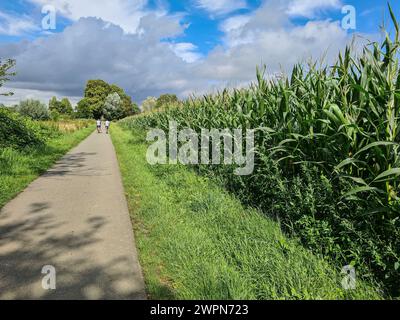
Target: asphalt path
point(69, 235)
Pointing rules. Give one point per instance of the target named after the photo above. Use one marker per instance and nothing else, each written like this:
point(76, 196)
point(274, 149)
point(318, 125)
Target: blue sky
point(188, 46)
point(204, 27)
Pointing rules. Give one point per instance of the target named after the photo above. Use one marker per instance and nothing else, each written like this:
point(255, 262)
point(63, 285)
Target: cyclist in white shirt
point(107, 126)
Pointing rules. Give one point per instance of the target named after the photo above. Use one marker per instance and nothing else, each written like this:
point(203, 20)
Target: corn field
point(328, 165)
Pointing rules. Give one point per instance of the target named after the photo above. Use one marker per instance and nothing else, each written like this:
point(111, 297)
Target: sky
point(151, 47)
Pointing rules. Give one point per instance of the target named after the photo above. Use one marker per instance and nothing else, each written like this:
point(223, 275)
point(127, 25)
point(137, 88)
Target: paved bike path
point(74, 218)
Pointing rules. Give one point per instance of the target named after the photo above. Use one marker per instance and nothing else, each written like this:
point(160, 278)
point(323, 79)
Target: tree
point(149, 104)
point(66, 107)
point(5, 74)
point(135, 109)
point(129, 108)
point(93, 103)
point(166, 99)
point(96, 93)
point(113, 107)
point(54, 104)
point(84, 109)
point(62, 107)
point(33, 109)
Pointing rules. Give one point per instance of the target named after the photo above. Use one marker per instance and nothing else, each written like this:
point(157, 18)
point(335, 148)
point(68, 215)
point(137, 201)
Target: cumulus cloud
point(16, 25)
point(310, 8)
point(279, 50)
point(145, 64)
point(234, 23)
point(41, 95)
point(92, 48)
point(220, 7)
point(125, 13)
point(268, 37)
point(187, 51)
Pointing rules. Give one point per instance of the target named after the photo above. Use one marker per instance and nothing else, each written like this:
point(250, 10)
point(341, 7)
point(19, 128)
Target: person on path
point(107, 126)
point(98, 126)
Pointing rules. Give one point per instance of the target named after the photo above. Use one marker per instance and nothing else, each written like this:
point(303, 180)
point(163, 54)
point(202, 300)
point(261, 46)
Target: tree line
point(101, 100)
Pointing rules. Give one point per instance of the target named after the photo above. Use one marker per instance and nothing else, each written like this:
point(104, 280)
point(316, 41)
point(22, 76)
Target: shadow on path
point(75, 218)
point(24, 260)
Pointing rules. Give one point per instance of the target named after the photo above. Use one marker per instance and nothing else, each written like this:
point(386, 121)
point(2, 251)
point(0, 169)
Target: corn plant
point(342, 120)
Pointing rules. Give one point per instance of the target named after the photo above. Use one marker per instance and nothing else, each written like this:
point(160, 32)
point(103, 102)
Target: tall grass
point(328, 161)
point(67, 126)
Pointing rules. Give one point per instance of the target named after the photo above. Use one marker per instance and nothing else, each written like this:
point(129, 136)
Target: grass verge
point(18, 168)
point(196, 241)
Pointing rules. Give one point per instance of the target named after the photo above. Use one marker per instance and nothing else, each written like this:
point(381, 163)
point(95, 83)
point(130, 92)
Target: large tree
point(62, 107)
point(93, 103)
point(113, 107)
point(96, 93)
point(84, 109)
point(66, 106)
point(128, 107)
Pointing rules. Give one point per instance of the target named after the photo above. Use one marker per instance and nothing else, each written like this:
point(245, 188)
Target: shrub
point(17, 131)
point(33, 109)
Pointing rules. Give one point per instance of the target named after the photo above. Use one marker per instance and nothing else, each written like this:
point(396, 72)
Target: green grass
point(196, 241)
point(18, 168)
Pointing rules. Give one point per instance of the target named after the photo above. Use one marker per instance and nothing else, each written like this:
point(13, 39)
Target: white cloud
point(279, 49)
point(125, 13)
point(23, 94)
point(233, 28)
point(91, 49)
point(267, 36)
point(234, 23)
point(16, 25)
point(144, 64)
point(244, 29)
point(310, 8)
point(187, 51)
point(220, 7)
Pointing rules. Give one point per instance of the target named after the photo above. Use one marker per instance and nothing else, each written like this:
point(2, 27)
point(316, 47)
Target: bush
point(33, 109)
point(17, 131)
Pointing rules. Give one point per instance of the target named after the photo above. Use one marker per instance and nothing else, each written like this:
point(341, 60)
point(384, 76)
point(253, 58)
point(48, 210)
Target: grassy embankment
point(20, 166)
point(327, 154)
point(196, 241)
